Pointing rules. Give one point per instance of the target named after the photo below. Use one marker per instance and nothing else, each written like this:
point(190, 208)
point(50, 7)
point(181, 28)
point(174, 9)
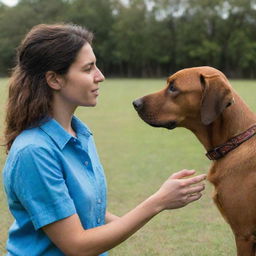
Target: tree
point(97, 16)
point(16, 21)
point(146, 37)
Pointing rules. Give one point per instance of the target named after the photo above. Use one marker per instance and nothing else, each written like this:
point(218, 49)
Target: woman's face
point(81, 83)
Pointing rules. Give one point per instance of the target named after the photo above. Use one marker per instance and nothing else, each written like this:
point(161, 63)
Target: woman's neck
point(63, 115)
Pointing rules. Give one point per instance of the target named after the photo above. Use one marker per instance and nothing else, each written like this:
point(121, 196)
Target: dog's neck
point(230, 123)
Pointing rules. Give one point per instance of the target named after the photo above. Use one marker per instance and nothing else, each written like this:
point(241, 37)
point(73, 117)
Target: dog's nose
point(138, 104)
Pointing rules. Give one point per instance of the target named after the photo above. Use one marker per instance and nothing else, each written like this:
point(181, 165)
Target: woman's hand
point(177, 192)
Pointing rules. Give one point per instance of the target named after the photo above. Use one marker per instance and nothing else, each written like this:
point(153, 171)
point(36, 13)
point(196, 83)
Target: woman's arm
point(69, 235)
point(110, 217)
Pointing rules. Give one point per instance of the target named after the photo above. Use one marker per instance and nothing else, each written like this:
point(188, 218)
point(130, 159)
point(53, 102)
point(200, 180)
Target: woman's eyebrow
point(89, 64)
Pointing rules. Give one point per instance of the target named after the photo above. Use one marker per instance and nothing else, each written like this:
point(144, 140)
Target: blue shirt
point(50, 175)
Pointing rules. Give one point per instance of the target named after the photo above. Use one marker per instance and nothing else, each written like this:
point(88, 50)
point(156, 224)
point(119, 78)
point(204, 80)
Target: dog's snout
point(138, 104)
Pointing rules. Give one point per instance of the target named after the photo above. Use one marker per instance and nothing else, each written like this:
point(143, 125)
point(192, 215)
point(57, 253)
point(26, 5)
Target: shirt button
point(98, 220)
point(99, 201)
point(86, 163)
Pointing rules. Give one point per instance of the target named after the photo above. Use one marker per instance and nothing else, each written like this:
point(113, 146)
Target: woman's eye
point(88, 69)
point(172, 88)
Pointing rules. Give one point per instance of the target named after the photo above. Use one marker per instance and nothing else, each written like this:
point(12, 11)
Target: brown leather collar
point(231, 144)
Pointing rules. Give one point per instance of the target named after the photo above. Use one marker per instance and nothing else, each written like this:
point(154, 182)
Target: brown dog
point(202, 100)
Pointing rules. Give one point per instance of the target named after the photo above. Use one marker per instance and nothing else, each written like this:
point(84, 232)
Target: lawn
point(137, 160)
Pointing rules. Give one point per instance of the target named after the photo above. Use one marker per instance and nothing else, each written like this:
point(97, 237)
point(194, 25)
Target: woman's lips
point(95, 91)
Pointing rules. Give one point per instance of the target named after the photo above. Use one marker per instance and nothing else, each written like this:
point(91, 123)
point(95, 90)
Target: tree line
point(146, 38)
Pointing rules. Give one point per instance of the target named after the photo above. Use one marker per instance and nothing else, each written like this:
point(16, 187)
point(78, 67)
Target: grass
point(137, 160)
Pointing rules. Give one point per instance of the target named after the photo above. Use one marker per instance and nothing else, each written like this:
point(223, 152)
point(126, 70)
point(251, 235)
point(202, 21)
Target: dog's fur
point(202, 100)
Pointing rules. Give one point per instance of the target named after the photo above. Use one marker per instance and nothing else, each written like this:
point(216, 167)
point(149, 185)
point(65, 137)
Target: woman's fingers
point(193, 197)
point(188, 181)
point(179, 190)
point(194, 180)
point(183, 173)
point(195, 189)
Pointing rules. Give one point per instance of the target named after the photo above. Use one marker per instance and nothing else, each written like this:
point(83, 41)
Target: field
point(137, 160)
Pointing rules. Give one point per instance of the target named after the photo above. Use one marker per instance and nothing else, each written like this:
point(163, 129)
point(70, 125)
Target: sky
point(9, 2)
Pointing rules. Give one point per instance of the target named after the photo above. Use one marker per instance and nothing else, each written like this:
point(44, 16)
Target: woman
point(53, 178)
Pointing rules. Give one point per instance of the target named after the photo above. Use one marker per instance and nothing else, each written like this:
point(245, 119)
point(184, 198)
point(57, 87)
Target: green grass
point(137, 160)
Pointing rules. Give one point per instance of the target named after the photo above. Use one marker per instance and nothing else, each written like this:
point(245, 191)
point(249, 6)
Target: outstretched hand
point(179, 190)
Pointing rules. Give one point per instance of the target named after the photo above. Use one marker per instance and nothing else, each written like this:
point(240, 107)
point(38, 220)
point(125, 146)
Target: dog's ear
point(216, 97)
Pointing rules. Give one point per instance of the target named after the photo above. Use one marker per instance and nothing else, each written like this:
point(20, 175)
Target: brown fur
point(205, 103)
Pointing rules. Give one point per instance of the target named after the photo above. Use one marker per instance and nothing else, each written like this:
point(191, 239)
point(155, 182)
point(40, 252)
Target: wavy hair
point(44, 48)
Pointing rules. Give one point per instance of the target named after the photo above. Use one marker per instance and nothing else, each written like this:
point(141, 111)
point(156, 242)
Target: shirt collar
point(59, 135)
point(80, 127)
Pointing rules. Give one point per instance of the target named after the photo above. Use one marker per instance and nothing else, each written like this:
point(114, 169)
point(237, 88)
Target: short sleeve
point(40, 186)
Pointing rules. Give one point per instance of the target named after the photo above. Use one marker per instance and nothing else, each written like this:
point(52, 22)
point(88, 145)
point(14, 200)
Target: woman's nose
point(99, 77)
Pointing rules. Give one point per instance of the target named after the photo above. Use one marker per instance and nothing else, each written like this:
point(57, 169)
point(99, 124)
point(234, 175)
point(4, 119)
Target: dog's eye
point(172, 87)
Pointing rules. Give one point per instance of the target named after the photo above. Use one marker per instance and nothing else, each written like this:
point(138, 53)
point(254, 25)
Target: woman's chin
point(91, 104)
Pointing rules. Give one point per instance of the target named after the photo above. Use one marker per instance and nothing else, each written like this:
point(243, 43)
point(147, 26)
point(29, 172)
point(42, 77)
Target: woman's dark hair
point(44, 48)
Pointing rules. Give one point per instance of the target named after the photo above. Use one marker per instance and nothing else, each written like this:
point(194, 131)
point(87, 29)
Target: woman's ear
point(54, 80)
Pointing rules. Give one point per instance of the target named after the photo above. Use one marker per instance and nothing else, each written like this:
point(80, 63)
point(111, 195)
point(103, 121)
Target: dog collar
point(231, 144)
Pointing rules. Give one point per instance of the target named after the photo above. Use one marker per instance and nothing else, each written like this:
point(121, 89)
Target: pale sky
point(9, 2)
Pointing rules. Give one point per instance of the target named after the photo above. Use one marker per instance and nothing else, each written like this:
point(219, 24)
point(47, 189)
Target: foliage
point(146, 37)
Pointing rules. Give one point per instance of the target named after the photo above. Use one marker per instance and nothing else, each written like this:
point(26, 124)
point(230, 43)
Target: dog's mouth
point(169, 125)
point(150, 120)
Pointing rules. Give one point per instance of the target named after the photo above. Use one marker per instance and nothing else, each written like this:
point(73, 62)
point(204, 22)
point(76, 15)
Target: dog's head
point(194, 94)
